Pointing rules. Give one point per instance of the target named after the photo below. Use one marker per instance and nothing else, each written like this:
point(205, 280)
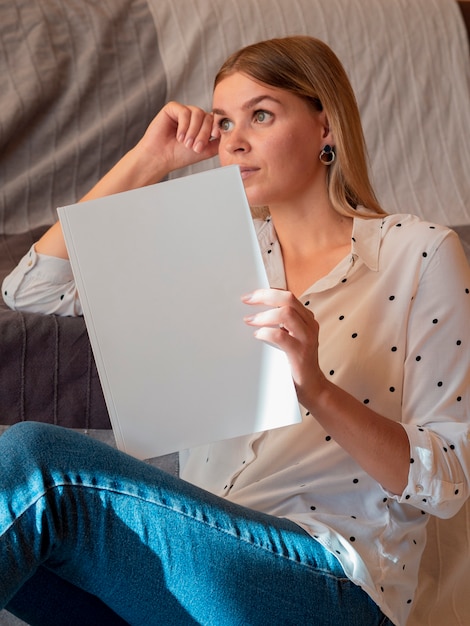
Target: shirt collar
point(366, 239)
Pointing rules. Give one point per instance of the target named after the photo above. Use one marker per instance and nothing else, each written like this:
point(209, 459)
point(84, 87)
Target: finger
point(180, 116)
point(198, 129)
point(204, 138)
point(276, 337)
point(302, 353)
point(269, 297)
point(215, 132)
point(274, 318)
point(289, 321)
point(283, 300)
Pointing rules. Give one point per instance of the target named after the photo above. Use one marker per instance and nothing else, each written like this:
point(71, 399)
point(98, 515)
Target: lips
point(246, 171)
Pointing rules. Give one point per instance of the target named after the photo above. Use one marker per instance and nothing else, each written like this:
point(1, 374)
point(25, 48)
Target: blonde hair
point(308, 68)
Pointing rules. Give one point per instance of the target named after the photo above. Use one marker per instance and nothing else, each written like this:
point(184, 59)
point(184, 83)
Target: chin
point(255, 199)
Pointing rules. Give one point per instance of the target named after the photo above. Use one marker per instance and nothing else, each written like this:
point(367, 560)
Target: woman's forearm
point(380, 445)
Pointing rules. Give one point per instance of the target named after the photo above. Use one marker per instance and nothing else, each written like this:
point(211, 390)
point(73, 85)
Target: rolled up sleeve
point(436, 397)
point(42, 284)
point(438, 480)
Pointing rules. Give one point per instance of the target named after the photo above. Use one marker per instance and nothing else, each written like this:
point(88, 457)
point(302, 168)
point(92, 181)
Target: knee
point(27, 438)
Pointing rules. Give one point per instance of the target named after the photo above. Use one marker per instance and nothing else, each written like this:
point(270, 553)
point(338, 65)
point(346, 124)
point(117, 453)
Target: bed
point(80, 81)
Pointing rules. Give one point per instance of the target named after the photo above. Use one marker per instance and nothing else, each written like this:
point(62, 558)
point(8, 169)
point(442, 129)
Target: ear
point(327, 133)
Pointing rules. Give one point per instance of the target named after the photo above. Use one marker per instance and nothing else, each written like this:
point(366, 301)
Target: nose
point(236, 141)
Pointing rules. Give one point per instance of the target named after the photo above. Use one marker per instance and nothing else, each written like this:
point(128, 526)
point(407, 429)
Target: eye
point(225, 124)
point(262, 116)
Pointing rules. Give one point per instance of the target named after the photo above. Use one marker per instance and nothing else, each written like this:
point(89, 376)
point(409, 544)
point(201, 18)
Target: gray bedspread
point(47, 370)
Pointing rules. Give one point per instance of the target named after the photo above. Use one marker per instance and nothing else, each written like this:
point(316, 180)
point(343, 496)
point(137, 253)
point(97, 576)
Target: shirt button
point(419, 488)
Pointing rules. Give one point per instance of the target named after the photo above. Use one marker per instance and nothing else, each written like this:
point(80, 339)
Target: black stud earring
point(327, 155)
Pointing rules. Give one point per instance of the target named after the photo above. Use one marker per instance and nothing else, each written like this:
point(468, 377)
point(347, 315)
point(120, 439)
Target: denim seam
point(168, 507)
point(227, 532)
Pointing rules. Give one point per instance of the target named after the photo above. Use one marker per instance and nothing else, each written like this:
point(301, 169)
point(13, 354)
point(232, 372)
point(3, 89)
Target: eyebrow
point(249, 104)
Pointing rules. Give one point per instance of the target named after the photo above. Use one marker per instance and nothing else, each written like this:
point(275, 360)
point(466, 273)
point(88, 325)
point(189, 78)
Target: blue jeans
point(89, 535)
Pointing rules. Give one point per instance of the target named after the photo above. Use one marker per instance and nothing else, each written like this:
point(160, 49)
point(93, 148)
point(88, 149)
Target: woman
point(318, 523)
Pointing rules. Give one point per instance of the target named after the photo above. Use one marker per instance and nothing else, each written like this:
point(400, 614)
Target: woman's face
point(274, 136)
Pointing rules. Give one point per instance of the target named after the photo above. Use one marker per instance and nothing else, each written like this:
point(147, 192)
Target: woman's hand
point(377, 443)
point(178, 136)
point(290, 326)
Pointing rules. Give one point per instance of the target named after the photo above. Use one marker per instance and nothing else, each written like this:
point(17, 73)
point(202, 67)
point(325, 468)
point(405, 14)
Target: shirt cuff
point(59, 269)
point(430, 485)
